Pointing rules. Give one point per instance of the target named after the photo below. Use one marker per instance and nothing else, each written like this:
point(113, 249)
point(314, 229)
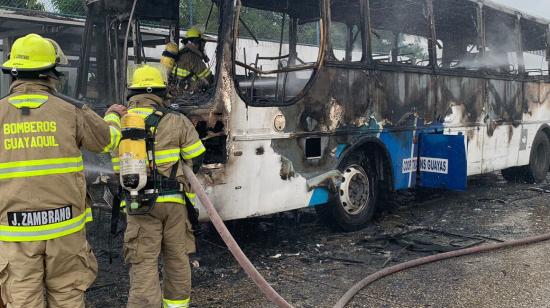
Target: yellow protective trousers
point(164, 231)
point(61, 269)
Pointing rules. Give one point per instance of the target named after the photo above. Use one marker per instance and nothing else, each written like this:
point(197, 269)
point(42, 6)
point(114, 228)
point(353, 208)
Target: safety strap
point(166, 186)
point(174, 170)
point(152, 120)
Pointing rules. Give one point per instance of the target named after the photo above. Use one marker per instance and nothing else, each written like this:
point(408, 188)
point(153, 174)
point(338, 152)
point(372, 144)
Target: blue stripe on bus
point(319, 196)
point(399, 146)
point(340, 149)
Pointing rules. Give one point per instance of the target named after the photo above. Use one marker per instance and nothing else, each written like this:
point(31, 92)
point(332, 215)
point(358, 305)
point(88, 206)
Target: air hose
point(264, 286)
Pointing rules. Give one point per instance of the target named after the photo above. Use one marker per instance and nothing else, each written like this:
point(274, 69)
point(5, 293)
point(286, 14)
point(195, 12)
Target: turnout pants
point(52, 273)
point(165, 230)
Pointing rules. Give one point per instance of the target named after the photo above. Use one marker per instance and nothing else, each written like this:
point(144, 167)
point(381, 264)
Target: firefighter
point(46, 260)
point(166, 228)
point(191, 71)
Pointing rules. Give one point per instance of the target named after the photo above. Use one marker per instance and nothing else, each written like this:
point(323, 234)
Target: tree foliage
point(70, 7)
point(195, 13)
point(24, 4)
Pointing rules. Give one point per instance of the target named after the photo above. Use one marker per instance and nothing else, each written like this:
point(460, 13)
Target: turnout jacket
point(42, 184)
point(191, 68)
point(176, 141)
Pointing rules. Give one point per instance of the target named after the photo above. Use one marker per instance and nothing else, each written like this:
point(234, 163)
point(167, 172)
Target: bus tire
point(539, 163)
point(539, 160)
point(353, 206)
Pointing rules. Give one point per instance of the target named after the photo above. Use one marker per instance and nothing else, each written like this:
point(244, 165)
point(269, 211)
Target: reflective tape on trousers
point(167, 303)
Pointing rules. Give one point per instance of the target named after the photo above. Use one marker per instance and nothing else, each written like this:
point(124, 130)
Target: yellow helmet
point(31, 53)
point(147, 77)
point(192, 33)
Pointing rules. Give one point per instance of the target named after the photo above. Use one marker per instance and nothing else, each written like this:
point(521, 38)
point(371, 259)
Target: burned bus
point(331, 103)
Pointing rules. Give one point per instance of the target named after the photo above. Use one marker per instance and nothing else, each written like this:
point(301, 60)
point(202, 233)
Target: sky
point(535, 7)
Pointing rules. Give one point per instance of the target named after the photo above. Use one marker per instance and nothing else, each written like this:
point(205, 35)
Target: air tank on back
point(133, 157)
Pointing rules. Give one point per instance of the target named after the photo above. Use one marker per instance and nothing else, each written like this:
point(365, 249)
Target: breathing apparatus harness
point(142, 190)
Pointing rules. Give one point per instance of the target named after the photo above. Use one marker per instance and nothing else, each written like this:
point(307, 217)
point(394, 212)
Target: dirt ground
point(312, 266)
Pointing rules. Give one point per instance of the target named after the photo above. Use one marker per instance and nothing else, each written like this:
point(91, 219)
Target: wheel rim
point(354, 190)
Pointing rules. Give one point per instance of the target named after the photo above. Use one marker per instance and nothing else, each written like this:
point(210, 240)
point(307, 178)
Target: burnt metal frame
point(103, 28)
point(368, 62)
point(433, 68)
point(324, 7)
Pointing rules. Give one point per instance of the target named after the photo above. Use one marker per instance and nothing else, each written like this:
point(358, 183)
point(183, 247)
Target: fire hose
point(278, 300)
point(264, 286)
point(232, 245)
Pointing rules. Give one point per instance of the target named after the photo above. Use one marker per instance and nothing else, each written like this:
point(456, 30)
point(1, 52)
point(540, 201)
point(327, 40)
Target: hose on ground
point(232, 245)
point(264, 286)
point(344, 300)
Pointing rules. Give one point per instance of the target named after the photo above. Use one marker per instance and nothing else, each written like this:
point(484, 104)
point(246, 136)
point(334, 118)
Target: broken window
point(400, 32)
point(534, 48)
point(457, 35)
point(501, 51)
point(277, 50)
point(308, 38)
point(346, 36)
point(204, 15)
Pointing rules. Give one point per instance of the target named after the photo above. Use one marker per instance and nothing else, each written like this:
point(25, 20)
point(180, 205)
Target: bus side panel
point(252, 184)
point(403, 153)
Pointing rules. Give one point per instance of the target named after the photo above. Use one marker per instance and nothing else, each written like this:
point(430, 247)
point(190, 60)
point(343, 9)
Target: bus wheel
point(353, 206)
point(539, 162)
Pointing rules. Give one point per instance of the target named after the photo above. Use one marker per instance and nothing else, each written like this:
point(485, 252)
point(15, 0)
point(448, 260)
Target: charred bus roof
point(301, 8)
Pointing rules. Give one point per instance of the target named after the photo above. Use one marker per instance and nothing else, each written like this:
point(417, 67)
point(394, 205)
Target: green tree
point(195, 12)
point(70, 7)
point(24, 4)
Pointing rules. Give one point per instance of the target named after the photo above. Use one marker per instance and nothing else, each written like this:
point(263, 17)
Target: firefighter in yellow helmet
point(191, 71)
point(164, 229)
point(46, 260)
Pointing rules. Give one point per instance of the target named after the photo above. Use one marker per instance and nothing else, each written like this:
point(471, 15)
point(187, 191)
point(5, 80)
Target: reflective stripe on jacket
point(41, 166)
point(45, 232)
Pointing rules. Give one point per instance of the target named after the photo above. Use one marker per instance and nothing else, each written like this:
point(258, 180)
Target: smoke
point(98, 169)
point(501, 51)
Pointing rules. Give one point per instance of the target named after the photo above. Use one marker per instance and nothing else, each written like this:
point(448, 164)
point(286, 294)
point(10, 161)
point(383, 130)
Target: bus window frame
point(368, 28)
point(432, 68)
point(482, 37)
point(314, 67)
point(360, 27)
